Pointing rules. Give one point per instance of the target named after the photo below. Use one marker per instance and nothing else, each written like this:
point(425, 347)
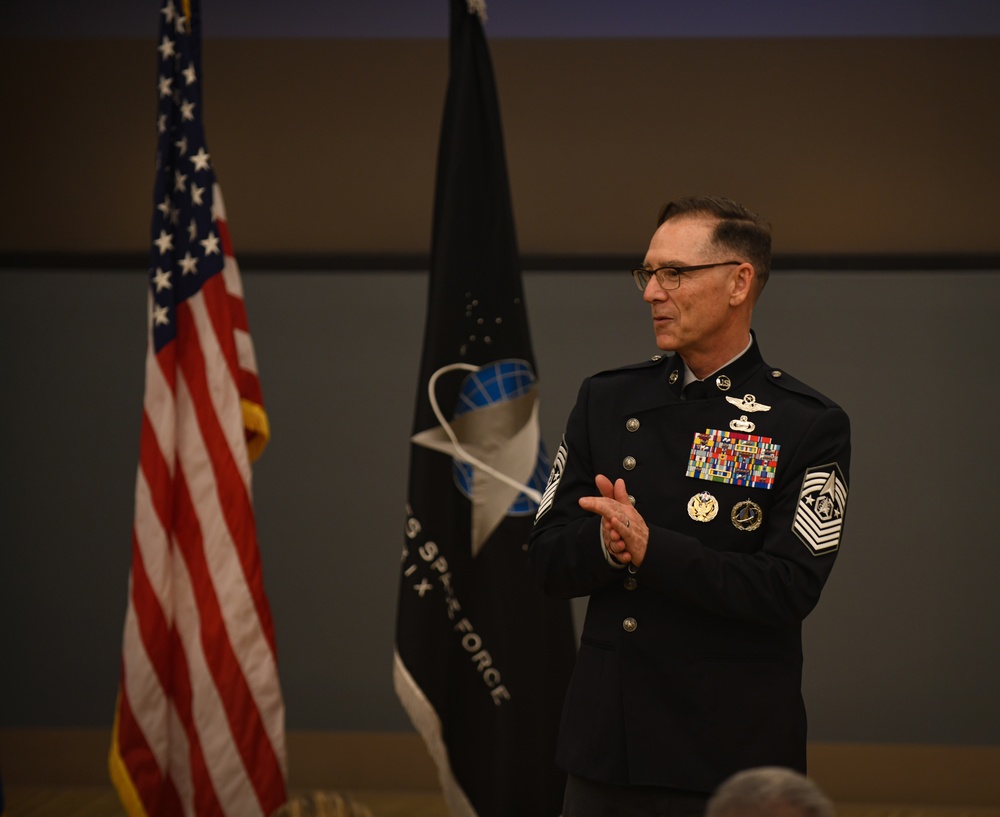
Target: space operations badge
point(558, 466)
point(819, 516)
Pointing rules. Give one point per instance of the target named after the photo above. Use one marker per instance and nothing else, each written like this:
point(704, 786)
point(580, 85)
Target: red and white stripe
point(200, 722)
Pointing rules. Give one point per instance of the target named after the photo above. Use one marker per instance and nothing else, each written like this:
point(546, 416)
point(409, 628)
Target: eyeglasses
point(670, 277)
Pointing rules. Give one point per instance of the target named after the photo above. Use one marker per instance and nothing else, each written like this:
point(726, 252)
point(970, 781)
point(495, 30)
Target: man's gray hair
point(769, 791)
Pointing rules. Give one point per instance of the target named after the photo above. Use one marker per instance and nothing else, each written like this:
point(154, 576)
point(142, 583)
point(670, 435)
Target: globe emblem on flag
point(490, 386)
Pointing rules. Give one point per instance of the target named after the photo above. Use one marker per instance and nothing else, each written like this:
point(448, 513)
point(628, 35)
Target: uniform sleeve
point(780, 583)
point(566, 555)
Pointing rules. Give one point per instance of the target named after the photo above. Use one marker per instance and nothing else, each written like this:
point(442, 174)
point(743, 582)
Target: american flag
point(199, 722)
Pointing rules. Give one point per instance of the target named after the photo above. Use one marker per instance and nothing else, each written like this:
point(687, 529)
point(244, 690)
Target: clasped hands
point(623, 530)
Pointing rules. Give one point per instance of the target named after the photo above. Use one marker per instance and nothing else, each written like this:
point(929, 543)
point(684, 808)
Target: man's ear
point(742, 284)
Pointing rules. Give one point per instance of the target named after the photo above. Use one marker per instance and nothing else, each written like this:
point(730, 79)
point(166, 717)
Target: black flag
point(482, 658)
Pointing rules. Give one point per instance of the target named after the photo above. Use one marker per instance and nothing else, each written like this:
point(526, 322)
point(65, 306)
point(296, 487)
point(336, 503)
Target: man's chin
point(666, 344)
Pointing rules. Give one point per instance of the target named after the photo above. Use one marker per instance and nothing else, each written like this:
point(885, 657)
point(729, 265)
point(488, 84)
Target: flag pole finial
point(477, 7)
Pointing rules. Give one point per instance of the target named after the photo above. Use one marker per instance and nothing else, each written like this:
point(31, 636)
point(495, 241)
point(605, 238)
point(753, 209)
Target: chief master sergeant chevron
point(698, 499)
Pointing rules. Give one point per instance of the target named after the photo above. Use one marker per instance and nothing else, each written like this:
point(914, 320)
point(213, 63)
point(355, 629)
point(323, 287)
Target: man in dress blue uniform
point(698, 499)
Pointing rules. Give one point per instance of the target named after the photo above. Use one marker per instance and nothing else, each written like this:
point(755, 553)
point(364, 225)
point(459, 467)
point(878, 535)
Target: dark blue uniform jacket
point(690, 669)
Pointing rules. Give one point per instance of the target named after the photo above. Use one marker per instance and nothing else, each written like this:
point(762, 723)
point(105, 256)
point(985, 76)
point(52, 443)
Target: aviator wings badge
point(748, 403)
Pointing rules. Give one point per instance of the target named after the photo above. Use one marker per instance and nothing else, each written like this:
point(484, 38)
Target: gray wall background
point(325, 148)
point(902, 648)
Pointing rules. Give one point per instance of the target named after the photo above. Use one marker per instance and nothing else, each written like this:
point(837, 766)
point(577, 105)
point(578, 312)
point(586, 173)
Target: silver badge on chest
point(748, 403)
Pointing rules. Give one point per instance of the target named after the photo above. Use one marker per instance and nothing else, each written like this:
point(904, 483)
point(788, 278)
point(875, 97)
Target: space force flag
point(482, 657)
point(199, 722)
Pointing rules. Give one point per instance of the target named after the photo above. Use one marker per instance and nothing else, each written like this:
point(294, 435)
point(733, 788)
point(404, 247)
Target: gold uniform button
point(629, 625)
point(628, 463)
point(630, 583)
point(776, 373)
point(632, 424)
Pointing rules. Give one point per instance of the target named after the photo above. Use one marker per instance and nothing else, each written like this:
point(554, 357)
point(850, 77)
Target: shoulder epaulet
point(783, 379)
point(655, 360)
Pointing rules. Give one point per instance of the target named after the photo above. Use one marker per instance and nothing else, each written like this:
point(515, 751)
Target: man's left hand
point(623, 528)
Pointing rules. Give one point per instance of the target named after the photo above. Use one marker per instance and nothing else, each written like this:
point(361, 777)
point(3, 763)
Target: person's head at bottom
point(769, 791)
point(322, 804)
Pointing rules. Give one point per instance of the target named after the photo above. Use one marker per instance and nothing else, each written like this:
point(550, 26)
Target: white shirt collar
point(689, 375)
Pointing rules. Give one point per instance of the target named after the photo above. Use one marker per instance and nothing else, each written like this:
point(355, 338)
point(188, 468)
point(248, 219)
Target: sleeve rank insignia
point(819, 517)
point(558, 466)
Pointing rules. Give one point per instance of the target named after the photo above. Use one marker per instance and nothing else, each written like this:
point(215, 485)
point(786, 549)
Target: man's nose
point(653, 291)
